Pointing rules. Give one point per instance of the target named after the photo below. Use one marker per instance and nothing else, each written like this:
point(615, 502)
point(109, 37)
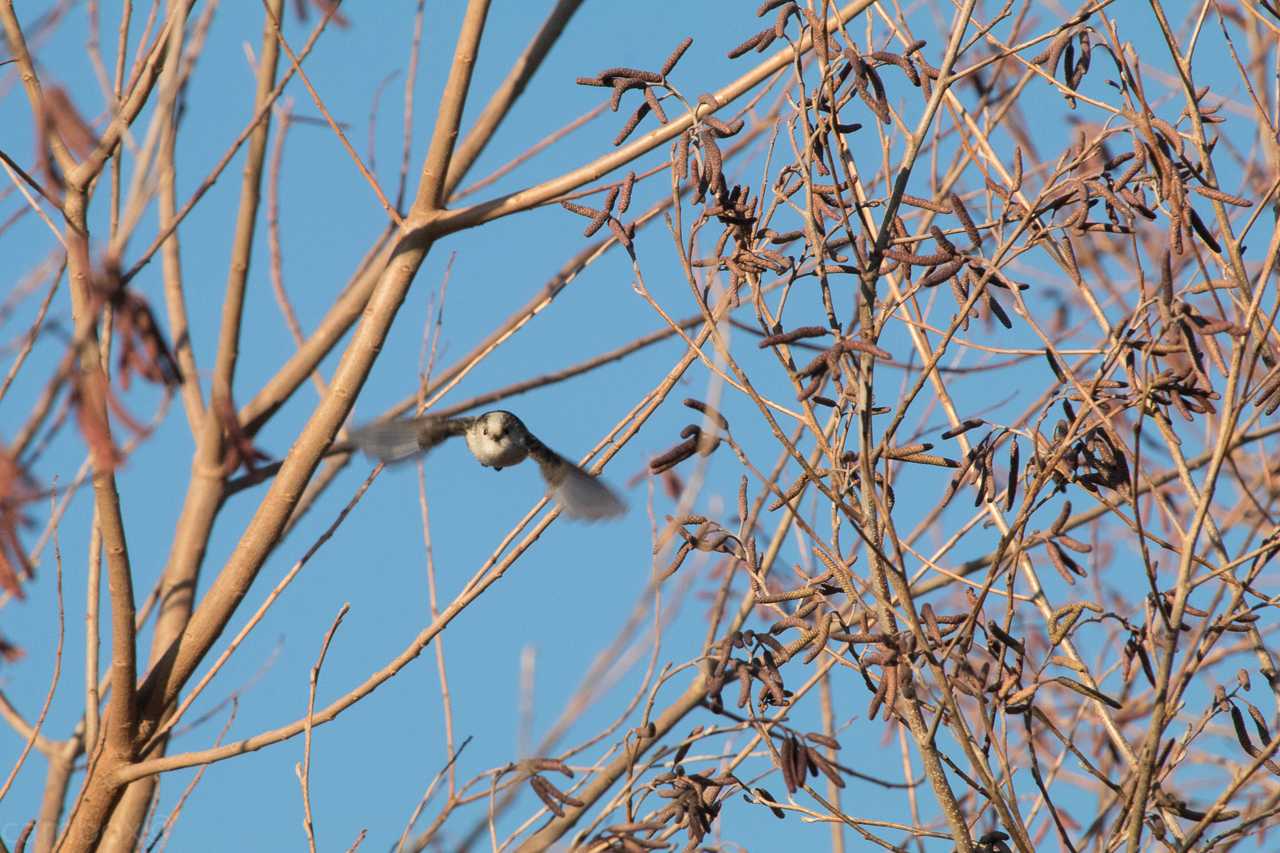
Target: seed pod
point(999, 312)
point(1202, 230)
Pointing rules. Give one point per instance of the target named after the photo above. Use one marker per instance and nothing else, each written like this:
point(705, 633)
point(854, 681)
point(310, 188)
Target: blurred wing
point(395, 441)
point(583, 496)
point(579, 494)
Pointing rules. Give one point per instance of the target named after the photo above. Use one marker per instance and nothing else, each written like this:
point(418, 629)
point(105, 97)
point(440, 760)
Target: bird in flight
point(497, 440)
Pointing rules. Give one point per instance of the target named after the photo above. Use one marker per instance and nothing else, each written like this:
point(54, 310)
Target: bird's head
point(497, 439)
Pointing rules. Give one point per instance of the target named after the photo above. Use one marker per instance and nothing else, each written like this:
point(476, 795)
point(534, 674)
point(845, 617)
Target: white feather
point(389, 441)
point(583, 496)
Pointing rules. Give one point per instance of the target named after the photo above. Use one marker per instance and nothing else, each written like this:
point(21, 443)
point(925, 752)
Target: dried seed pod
point(1011, 493)
point(998, 311)
point(1202, 230)
point(1054, 366)
point(1084, 690)
point(766, 799)
point(819, 761)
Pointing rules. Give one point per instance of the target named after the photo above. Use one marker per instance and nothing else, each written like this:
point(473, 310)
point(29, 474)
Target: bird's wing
point(394, 441)
point(579, 494)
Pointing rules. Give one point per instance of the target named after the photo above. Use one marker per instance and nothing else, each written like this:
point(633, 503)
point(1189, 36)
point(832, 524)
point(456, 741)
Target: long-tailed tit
point(497, 440)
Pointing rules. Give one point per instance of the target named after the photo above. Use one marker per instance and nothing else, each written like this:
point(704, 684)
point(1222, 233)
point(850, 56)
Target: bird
point(497, 440)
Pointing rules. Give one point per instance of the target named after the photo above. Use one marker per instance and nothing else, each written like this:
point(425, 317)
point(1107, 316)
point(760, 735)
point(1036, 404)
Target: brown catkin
point(966, 220)
point(963, 427)
point(784, 14)
point(1219, 195)
point(699, 406)
point(721, 129)
point(581, 210)
point(768, 6)
point(900, 61)
point(926, 204)
point(610, 74)
point(597, 223)
point(670, 64)
point(942, 273)
point(794, 335)
point(620, 85)
point(714, 160)
point(879, 103)
point(632, 123)
point(852, 344)
point(624, 197)
point(654, 104)
point(752, 41)
point(621, 233)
